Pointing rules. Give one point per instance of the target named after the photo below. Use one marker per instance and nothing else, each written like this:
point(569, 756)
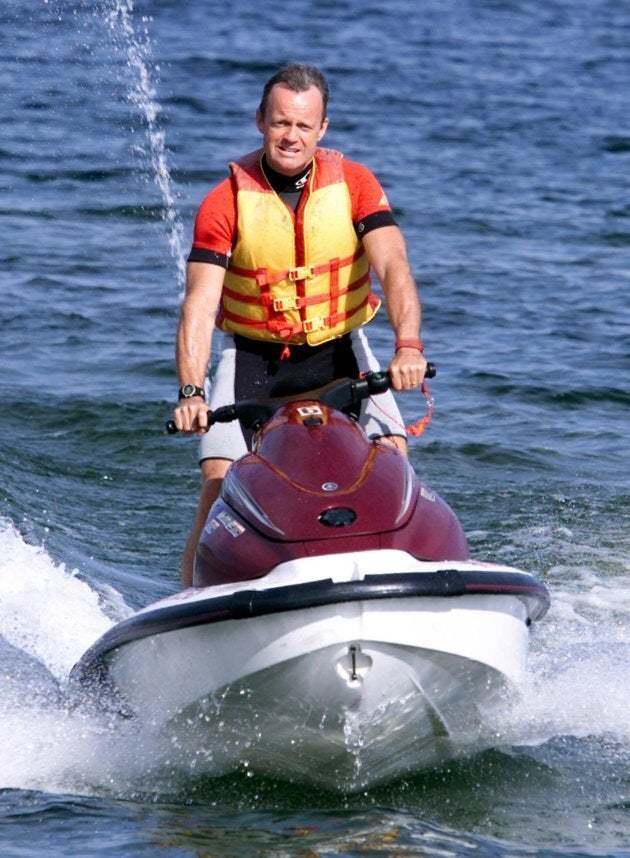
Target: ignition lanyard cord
point(419, 427)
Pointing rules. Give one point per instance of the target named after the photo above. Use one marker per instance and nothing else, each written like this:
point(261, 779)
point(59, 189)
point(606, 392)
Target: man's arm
point(387, 253)
point(204, 283)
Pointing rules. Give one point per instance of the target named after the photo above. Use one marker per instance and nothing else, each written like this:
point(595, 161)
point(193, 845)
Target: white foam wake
point(46, 611)
point(579, 664)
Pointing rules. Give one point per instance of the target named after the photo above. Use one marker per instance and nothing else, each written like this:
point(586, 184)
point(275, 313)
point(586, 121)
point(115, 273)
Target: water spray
point(142, 94)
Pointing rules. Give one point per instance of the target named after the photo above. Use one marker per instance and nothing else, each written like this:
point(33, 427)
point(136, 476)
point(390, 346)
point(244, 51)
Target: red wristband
point(409, 344)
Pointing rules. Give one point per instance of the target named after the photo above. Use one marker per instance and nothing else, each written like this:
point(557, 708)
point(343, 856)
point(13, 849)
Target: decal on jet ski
point(330, 487)
point(310, 411)
point(427, 494)
point(233, 527)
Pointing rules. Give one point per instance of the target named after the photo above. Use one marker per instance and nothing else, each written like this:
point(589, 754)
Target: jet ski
point(337, 631)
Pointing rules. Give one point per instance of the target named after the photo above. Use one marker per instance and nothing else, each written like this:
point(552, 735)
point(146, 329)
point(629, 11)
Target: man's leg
point(212, 473)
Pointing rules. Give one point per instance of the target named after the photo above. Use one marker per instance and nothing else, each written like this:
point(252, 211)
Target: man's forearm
point(197, 322)
point(403, 305)
point(194, 341)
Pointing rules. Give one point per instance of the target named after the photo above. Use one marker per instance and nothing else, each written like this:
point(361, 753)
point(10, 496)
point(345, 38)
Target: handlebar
point(342, 394)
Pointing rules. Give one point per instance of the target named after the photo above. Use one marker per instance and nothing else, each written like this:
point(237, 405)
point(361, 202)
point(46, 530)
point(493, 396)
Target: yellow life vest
point(300, 277)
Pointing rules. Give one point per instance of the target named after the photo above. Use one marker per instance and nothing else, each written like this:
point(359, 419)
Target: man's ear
point(259, 121)
point(323, 129)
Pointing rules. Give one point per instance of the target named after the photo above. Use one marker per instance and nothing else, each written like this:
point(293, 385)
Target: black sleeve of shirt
point(374, 221)
point(198, 254)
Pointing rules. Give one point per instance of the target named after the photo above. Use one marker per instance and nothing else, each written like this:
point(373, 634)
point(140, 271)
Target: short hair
point(298, 78)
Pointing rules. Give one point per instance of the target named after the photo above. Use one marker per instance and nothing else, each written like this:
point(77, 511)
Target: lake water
point(501, 131)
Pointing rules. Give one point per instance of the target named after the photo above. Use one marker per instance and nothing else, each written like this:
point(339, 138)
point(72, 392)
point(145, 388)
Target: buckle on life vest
point(311, 325)
point(281, 305)
point(301, 273)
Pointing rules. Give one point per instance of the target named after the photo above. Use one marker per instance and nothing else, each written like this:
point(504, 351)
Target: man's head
point(292, 117)
point(297, 78)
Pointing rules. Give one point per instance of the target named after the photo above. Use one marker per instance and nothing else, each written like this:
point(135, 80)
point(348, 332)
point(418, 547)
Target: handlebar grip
point(172, 429)
point(223, 414)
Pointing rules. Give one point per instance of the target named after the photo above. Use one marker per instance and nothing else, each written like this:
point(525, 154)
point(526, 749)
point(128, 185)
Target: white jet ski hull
point(355, 688)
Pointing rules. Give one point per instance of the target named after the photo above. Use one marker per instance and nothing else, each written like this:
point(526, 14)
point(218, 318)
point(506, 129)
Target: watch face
point(187, 391)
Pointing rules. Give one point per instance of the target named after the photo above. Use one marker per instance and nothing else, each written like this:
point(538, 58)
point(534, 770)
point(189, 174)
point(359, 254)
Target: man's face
point(292, 127)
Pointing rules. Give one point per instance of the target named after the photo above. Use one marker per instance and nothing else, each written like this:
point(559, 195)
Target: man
point(280, 261)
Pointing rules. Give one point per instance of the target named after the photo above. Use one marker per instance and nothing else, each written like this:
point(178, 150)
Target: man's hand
point(407, 369)
point(191, 415)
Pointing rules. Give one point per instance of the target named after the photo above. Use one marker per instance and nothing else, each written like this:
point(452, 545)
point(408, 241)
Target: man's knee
point(212, 473)
point(214, 469)
point(397, 441)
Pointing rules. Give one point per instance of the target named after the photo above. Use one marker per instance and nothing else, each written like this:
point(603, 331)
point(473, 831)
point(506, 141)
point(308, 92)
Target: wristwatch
point(188, 391)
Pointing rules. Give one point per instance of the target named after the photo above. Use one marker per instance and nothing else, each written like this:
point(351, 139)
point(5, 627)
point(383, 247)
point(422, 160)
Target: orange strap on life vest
point(277, 324)
point(297, 302)
point(282, 328)
point(303, 272)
